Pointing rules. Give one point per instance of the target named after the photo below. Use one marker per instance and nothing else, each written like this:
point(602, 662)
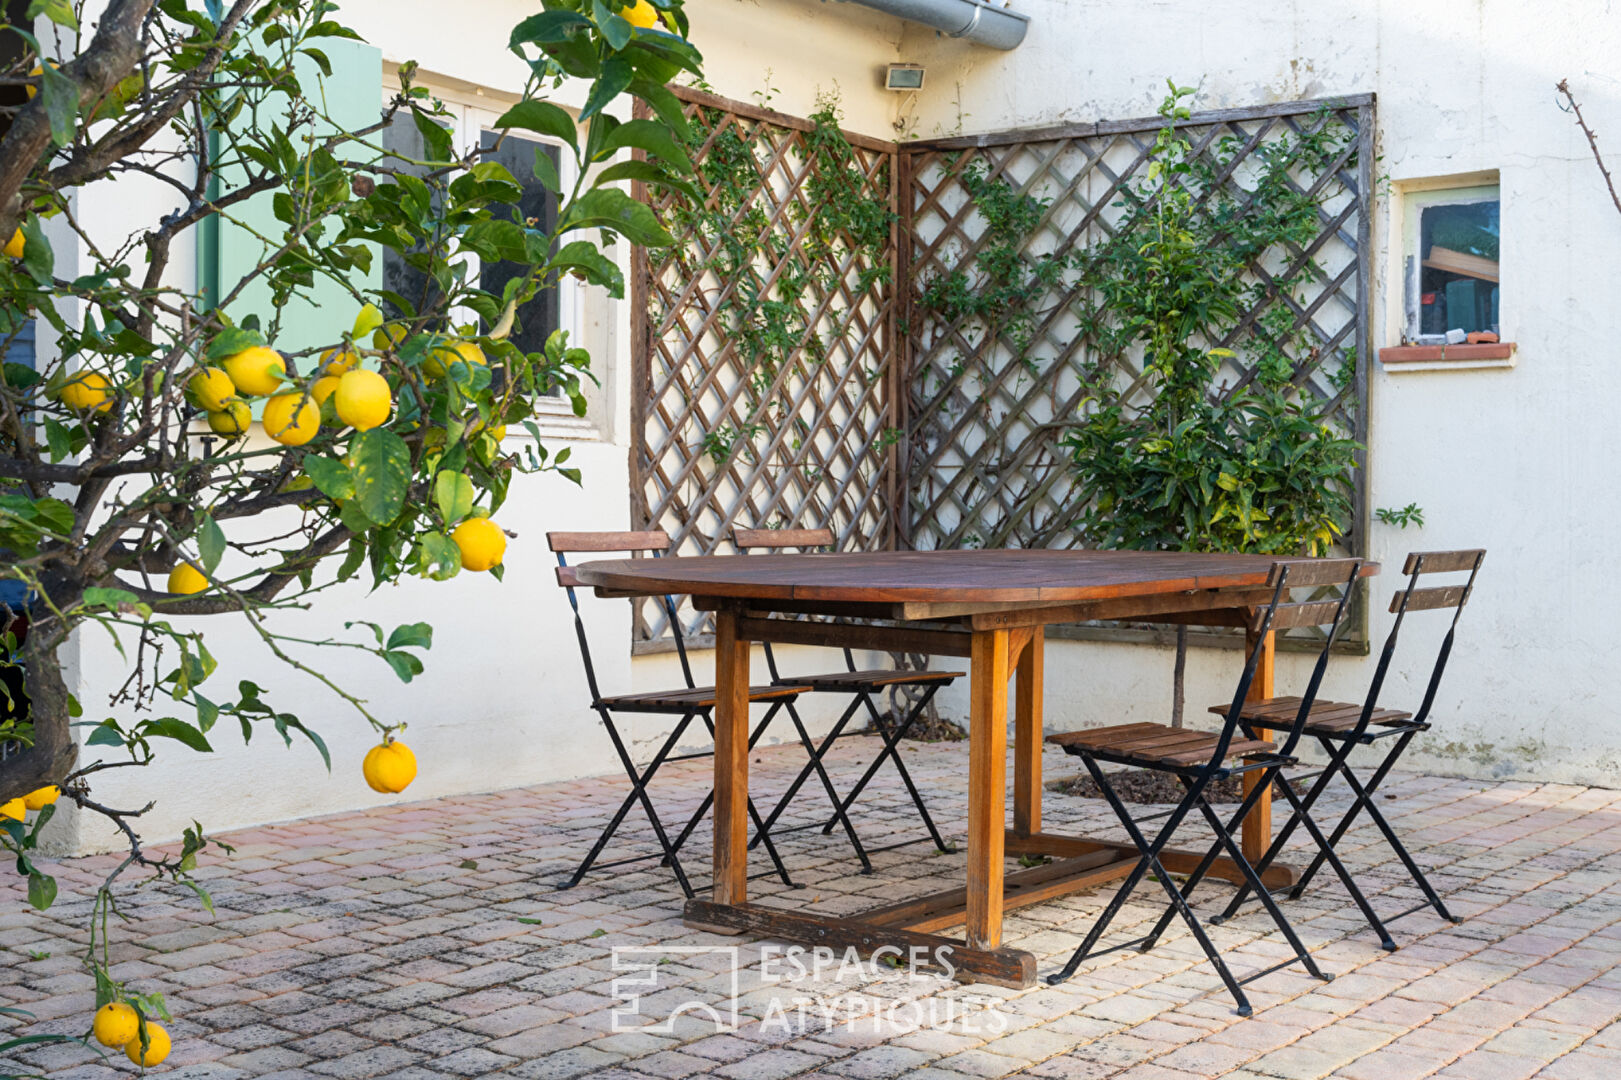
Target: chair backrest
point(1283, 613)
point(653, 542)
point(1415, 597)
point(746, 540)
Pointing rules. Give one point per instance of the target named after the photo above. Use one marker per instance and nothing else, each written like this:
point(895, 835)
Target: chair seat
point(1154, 746)
point(868, 680)
point(1327, 718)
point(699, 697)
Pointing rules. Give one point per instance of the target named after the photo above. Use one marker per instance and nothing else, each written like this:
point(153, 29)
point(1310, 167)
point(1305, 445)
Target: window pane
point(402, 137)
point(1458, 281)
point(538, 318)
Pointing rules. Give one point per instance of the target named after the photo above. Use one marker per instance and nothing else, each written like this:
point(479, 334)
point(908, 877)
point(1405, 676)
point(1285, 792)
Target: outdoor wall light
point(903, 77)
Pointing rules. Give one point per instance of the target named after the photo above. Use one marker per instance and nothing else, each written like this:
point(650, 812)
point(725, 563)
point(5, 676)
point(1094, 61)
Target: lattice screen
point(766, 397)
point(785, 380)
point(987, 410)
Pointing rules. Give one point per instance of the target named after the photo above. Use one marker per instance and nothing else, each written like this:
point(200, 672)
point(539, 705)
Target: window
point(472, 125)
point(1453, 291)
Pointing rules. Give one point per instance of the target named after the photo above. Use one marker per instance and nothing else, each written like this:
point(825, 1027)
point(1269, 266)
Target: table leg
point(1027, 734)
point(987, 786)
point(731, 761)
point(1258, 825)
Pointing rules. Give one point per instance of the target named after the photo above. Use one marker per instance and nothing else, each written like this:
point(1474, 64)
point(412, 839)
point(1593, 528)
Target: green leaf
point(441, 558)
point(614, 80)
point(179, 730)
point(232, 340)
point(610, 208)
point(417, 635)
point(58, 439)
point(382, 468)
point(208, 713)
point(547, 28)
point(583, 257)
point(59, 12)
point(541, 116)
point(435, 138)
point(109, 598)
point(453, 492)
point(38, 258)
point(210, 543)
point(405, 665)
point(648, 135)
point(106, 733)
point(332, 478)
point(648, 173)
point(41, 890)
point(60, 95)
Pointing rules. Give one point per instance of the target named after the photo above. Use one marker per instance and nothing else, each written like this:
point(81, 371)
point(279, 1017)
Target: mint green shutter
point(228, 251)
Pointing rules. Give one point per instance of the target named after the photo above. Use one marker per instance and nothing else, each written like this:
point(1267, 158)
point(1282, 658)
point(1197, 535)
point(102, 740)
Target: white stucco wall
point(1517, 461)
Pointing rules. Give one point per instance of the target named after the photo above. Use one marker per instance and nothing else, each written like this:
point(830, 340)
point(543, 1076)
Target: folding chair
point(689, 702)
point(861, 686)
point(1199, 758)
point(1340, 728)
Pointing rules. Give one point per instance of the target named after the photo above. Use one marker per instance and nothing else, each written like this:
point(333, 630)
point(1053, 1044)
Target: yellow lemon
point(88, 390)
point(323, 388)
point(40, 798)
point(389, 768)
point(482, 543)
point(186, 579)
point(442, 356)
point(386, 337)
point(233, 420)
point(14, 246)
point(209, 389)
point(35, 72)
point(292, 419)
point(641, 14)
point(14, 809)
point(157, 1046)
point(338, 361)
point(116, 1024)
point(256, 370)
point(362, 399)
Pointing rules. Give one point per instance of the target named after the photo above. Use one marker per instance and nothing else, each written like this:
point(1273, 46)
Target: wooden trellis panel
point(985, 413)
point(766, 386)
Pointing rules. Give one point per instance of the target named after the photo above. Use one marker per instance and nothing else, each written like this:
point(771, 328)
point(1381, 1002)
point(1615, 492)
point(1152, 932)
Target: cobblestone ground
point(428, 941)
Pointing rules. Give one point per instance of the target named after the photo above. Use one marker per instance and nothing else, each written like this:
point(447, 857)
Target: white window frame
point(472, 111)
point(1415, 198)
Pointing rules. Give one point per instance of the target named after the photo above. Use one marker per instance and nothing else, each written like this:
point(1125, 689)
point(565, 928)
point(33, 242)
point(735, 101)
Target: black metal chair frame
point(669, 852)
point(1338, 746)
point(862, 691)
point(1195, 779)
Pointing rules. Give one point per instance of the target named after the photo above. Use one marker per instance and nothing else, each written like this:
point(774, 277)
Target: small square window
point(1451, 242)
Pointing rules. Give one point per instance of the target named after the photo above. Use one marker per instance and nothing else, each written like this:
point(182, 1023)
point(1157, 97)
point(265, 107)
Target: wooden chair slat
point(1201, 755)
point(1306, 613)
point(1315, 571)
point(1071, 738)
point(1439, 596)
point(568, 578)
point(653, 540)
point(779, 538)
point(1444, 562)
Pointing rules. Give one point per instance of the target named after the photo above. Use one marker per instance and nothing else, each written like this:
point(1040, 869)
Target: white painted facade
point(1515, 460)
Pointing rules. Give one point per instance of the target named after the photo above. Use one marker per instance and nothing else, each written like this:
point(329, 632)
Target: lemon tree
point(136, 457)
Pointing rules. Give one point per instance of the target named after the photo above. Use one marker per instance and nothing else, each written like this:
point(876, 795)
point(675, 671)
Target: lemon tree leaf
point(382, 469)
point(180, 731)
point(610, 208)
point(453, 492)
point(61, 97)
point(417, 635)
point(232, 340)
point(210, 542)
point(541, 116)
point(405, 665)
point(41, 890)
point(332, 478)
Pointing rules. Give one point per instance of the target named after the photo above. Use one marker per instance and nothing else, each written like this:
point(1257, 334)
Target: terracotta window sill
point(1443, 357)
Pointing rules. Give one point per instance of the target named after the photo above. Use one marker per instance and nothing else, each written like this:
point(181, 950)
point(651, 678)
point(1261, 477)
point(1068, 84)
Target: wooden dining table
point(991, 606)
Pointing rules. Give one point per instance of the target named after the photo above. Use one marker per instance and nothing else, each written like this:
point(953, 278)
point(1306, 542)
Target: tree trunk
point(1178, 692)
point(54, 751)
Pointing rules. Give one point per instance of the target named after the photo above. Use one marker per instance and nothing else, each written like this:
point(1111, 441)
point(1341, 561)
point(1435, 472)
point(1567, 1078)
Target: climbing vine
point(785, 273)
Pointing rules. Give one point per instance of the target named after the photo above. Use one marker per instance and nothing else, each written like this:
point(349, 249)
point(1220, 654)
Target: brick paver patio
point(428, 941)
